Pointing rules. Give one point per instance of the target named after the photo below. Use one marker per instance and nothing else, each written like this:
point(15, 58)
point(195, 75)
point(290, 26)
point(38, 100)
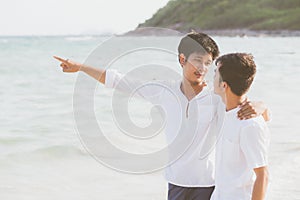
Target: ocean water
point(41, 154)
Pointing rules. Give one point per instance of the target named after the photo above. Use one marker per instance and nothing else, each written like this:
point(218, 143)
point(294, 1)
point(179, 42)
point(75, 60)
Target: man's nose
point(201, 67)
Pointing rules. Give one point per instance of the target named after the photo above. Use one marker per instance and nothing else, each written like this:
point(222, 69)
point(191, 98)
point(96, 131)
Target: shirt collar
point(232, 111)
point(205, 91)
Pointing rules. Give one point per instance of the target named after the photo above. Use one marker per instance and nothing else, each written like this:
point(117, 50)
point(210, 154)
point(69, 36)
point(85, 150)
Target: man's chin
point(200, 80)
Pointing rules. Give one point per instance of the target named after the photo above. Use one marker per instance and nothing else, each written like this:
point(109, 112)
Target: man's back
point(242, 146)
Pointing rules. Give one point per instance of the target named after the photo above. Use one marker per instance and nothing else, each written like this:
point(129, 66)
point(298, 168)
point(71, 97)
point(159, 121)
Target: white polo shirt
point(241, 147)
point(183, 118)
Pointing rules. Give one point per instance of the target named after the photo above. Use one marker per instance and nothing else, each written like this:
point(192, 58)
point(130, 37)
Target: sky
point(73, 17)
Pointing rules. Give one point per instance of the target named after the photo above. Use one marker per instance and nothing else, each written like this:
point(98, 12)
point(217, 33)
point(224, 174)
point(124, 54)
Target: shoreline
point(155, 31)
point(152, 31)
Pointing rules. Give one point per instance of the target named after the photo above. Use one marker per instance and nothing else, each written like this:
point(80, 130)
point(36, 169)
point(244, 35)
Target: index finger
point(60, 59)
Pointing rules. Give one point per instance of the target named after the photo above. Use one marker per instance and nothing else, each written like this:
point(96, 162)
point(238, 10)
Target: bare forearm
point(96, 73)
point(260, 188)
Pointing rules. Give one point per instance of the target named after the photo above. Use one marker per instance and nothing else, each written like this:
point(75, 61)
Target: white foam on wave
point(79, 38)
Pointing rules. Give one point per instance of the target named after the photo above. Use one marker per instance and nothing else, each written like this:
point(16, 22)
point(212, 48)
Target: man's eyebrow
point(199, 57)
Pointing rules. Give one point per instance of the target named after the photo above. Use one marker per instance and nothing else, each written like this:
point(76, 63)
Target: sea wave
point(79, 38)
point(50, 152)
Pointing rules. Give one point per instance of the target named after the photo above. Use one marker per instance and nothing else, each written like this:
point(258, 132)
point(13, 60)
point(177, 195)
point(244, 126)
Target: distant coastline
point(232, 18)
point(226, 33)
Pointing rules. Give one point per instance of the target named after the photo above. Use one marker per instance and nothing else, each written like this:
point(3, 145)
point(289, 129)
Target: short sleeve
point(254, 141)
point(112, 77)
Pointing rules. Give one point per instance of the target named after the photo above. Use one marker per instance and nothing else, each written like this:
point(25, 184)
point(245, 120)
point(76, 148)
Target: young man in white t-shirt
point(241, 153)
point(189, 107)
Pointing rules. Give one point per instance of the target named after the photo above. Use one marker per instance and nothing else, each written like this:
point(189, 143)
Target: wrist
point(82, 68)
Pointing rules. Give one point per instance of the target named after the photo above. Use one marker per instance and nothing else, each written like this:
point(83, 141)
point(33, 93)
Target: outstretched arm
point(71, 67)
point(150, 92)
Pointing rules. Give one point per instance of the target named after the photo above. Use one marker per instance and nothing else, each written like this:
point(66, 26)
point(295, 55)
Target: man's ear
point(225, 86)
point(182, 59)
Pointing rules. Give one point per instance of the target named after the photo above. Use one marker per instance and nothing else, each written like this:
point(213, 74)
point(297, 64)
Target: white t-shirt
point(241, 147)
point(184, 119)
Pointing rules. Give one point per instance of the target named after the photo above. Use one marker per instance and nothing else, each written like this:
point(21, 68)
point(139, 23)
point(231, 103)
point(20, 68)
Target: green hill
point(184, 15)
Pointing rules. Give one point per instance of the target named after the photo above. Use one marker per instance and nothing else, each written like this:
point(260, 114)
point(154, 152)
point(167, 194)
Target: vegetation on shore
point(184, 15)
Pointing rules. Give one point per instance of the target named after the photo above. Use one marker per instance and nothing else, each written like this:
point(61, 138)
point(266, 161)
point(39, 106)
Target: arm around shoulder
point(253, 109)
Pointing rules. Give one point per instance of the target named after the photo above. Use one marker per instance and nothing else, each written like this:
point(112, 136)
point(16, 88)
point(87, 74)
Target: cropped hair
point(238, 71)
point(198, 42)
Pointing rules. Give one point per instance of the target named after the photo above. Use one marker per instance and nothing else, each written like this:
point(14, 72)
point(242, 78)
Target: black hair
point(198, 42)
point(238, 71)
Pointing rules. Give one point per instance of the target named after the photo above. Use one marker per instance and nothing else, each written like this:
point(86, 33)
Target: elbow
point(267, 115)
point(264, 176)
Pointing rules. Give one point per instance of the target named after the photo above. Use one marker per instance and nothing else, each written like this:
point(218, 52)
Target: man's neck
point(190, 90)
point(232, 101)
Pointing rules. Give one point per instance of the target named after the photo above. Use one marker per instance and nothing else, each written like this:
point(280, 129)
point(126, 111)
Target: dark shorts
point(189, 193)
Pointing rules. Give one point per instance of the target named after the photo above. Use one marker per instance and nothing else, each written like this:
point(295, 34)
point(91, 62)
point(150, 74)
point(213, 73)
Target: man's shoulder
point(254, 125)
point(254, 122)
